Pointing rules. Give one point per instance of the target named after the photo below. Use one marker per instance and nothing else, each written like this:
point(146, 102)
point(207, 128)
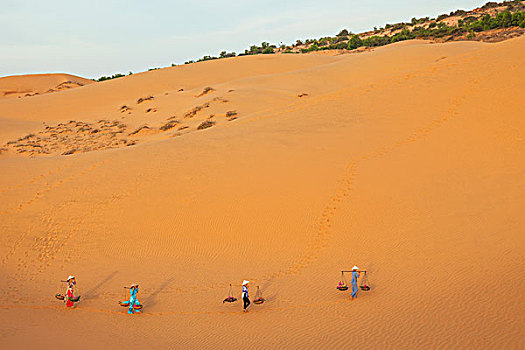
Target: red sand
point(407, 161)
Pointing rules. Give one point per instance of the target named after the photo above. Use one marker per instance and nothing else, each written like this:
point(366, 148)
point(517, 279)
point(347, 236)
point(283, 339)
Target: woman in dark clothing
point(245, 296)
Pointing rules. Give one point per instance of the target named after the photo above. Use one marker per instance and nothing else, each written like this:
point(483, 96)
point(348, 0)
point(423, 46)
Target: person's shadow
point(266, 297)
point(151, 299)
point(94, 292)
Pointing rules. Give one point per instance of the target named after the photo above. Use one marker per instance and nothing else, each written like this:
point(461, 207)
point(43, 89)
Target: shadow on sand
point(94, 292)
point(151, 299)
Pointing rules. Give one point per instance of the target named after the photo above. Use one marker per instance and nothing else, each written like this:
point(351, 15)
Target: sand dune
point(37, 84)
point(406, 160)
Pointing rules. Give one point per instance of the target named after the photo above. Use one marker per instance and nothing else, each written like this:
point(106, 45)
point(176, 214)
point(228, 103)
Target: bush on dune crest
point(114, 76)
point(355, 42)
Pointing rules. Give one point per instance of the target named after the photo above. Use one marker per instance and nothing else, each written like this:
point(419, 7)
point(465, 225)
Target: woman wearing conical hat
point(133, 300)
point(245, 296)
point(71, 281)
point(355, 278)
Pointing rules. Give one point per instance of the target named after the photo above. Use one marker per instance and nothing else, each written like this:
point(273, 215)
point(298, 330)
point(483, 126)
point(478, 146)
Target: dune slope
point(407, 161)
point(37, 84)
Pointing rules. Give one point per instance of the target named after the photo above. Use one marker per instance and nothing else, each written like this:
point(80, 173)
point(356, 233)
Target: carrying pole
point(342, 271)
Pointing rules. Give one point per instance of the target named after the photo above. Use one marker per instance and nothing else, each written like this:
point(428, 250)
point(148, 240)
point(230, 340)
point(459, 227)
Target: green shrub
point(355, 42)
point(313, 47)
point(114, 76)
point(225, 54)
point(458, 13)
point(489, 5)
point(339, 46)
point(405, 34)
point(206, 58)
point(398, 26)
point(501, 20)
point(376, 41)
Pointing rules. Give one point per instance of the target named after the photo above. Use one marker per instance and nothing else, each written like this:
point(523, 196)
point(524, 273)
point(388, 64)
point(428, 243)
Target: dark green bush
point(376, 41)
point(339, 46)
point(206, 58)
point(313, 47)
point(501, 20)
point(405, 34)
point(398, 26)
point(114, 76)
point(225, 54)
point(489, 5)
point(458, 13)
point(355, 42)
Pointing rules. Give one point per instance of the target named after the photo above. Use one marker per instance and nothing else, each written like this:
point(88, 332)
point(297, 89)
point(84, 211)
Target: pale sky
point(91, 38)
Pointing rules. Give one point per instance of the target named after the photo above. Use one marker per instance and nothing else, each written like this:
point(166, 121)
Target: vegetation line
point(458, 25)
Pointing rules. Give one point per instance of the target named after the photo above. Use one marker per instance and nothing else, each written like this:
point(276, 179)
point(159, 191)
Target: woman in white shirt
point(245, 297)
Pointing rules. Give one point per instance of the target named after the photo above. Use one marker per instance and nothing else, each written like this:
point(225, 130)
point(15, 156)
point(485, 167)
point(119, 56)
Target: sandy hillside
point(38, 84)
point(281, 169)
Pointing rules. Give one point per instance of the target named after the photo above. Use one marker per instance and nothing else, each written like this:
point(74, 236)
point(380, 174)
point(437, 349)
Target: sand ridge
point(38, 84)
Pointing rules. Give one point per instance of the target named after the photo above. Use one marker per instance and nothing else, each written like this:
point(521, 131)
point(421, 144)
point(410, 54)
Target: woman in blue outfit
point(355, 278)
point(133, 300)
